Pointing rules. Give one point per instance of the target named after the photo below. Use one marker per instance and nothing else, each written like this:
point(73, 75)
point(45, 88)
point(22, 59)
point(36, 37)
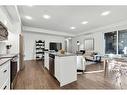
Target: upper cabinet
point(3, 32)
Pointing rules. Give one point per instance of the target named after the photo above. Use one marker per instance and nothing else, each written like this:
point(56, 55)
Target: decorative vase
point(62, 51)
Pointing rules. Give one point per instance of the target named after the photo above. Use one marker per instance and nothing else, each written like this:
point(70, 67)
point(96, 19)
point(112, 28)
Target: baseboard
point(30, 60)
point(94, 71)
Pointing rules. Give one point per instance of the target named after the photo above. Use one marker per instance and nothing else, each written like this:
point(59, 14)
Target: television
point(55, 46)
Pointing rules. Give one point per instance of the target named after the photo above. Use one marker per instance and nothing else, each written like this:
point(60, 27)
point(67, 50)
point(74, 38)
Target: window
point(110, 42)
point(122, 42)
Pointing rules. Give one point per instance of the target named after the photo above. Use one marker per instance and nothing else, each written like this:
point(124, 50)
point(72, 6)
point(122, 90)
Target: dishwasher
point(51, 64)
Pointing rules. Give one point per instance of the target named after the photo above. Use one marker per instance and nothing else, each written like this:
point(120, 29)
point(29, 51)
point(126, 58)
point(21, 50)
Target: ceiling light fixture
point(72, 28)
point(46, 16)
point(28, 17)
point(84, 22)
point(105, 13)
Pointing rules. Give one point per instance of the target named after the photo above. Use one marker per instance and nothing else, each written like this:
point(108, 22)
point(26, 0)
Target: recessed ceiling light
point(105, 13)
point(28, 17)
point(72, 28)
point(46, 16)
point(84, 22)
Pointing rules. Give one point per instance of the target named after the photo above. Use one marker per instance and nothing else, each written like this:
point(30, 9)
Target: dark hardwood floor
point(94, 67)
point(35, 76)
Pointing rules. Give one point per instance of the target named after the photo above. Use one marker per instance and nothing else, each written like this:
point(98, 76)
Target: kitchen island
point(62, 66)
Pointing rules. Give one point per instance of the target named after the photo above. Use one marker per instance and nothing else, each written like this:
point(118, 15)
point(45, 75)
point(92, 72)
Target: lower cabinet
point(46, 60)
point(65, 69)
point(6, 85)
point(5, 75)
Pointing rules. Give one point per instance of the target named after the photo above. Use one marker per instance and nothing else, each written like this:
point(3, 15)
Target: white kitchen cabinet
point(5, 75)
point(80, 63)
point(6, 85)
point(46, 60)
point(57, 68)
point(66, 69)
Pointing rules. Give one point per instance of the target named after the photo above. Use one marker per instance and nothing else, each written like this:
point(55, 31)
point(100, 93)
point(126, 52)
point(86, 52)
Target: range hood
point(3, 32)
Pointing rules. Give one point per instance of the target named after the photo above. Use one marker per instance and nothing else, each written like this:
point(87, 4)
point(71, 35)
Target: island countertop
point(61, 55)
point(7, 55)
point(4, 60)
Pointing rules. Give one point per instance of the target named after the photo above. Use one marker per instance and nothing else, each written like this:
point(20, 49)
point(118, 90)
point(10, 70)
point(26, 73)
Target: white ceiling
point(63, 17)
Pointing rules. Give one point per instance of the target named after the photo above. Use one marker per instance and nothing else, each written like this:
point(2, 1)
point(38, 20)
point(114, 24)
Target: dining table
point(122, 60)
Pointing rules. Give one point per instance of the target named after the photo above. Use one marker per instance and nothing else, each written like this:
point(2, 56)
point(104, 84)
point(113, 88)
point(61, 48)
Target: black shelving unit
point(40, 47)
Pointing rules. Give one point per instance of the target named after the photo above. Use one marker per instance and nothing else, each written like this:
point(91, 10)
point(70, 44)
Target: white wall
point(29, 42)
point(98, 35)
point(68, 45)
point(98, 41)
point(13, 39)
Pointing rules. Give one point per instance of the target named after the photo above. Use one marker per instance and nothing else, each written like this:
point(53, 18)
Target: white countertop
point(6, 57)
point(4, 60)
point(63, 55)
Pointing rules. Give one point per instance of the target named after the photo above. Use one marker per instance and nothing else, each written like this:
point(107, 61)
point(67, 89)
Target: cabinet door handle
point(5, 87)
point(5, 71)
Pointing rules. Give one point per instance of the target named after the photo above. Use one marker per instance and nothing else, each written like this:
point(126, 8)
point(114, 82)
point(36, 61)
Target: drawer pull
point(5, 71)
point(5, 87)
